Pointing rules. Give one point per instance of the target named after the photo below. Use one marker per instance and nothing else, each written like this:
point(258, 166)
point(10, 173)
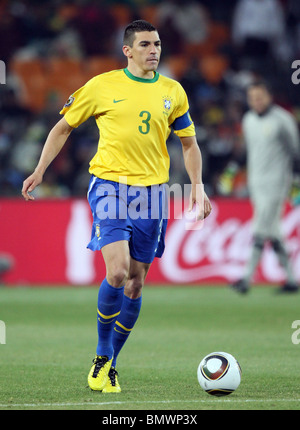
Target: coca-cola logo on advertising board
point(214, 251)
point(221, 248)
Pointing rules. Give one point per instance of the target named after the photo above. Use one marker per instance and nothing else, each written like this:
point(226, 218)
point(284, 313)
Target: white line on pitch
point(162, 402)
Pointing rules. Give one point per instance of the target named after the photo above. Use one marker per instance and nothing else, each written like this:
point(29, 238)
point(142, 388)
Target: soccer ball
point(219, 373)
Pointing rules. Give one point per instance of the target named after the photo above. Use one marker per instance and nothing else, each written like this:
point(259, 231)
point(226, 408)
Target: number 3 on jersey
point(145, 128)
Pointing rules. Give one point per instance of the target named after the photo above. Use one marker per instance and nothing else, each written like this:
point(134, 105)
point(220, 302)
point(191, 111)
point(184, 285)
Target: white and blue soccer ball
point(219, 373)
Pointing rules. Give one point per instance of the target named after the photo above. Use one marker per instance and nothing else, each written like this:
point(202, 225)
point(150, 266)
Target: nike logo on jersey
point(118, 101)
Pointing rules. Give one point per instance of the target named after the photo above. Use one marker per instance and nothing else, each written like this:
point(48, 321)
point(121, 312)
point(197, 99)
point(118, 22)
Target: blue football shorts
point(126, 212)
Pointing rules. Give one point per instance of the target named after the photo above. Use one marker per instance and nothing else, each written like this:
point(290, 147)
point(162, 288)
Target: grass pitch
point(51, 339)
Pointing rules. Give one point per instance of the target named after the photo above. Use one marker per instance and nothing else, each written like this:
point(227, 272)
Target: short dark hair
point(260, 84)
point(136, 27)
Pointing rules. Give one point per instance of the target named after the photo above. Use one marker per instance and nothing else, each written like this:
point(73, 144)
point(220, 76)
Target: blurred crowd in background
point(214, 48)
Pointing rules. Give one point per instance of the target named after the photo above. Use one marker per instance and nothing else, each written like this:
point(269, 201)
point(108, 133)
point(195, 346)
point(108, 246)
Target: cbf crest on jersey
point(167, 103)
point(69, 101)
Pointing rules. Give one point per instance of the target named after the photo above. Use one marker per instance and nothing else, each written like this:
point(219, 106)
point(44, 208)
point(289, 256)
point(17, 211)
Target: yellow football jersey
point(134, 117)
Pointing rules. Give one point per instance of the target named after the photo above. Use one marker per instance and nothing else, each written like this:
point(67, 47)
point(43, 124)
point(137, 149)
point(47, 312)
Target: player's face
point(145, 51)
point(259, 99)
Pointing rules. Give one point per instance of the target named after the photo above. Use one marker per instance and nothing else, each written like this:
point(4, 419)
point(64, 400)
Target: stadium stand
point(53, 48)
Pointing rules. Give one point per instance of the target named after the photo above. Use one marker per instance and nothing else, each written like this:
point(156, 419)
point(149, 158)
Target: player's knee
point(117, 277)
point(277, 246)
point(258, 242)
point(134, 287)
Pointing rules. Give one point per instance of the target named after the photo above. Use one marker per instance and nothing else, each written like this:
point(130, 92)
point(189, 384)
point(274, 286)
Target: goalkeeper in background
point(272, 144)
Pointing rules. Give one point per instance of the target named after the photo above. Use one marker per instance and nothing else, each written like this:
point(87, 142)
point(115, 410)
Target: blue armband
point(182, 122)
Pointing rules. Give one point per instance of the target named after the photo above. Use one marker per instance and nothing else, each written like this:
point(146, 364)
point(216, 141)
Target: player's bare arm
point(193, 164)
point(53, 145)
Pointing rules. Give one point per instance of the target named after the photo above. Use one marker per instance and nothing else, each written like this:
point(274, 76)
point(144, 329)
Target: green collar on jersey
point(135, 78)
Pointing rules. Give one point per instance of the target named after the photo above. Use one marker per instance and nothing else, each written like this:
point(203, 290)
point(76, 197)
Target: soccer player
point(134, 109)
point(272, 144)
